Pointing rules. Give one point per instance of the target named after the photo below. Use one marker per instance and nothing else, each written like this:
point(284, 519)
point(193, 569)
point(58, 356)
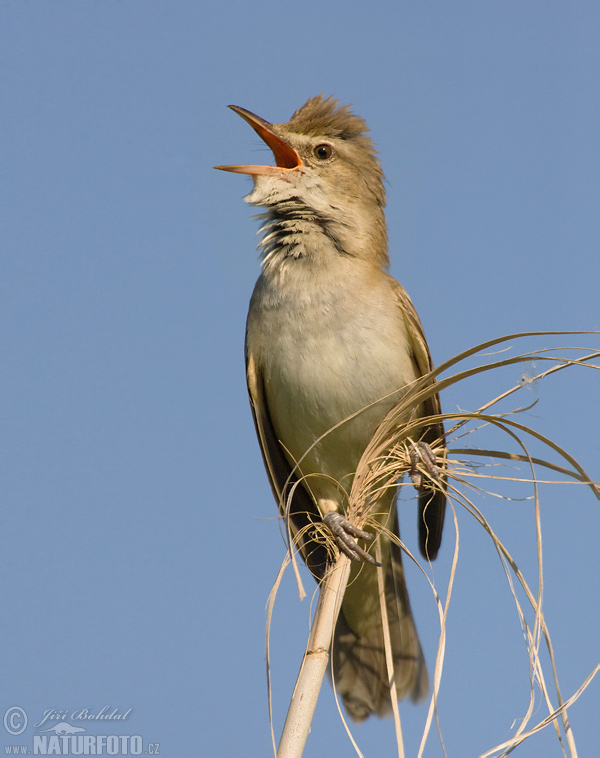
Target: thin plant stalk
point(315, 661)
point(388, 652)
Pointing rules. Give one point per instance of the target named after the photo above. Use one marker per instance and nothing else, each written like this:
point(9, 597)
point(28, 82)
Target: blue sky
point(139, 539)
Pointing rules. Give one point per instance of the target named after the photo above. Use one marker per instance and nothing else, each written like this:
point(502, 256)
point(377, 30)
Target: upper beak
point(286, 158)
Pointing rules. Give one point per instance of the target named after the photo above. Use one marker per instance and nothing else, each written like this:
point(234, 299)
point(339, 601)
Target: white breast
point(327, 351)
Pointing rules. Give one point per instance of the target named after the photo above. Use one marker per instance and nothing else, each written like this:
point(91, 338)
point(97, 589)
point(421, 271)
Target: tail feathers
point(359, 659)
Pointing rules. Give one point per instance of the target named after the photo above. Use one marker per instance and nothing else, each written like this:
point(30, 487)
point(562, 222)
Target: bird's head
point(326, 167)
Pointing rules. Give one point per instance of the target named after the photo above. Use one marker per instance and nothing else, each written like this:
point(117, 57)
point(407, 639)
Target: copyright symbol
point(15, 720)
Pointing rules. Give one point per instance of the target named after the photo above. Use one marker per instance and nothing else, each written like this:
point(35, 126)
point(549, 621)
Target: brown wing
point(432, 503)
point(303, 511)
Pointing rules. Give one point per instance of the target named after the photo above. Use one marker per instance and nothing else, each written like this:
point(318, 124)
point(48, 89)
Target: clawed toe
point(420, 452)
point(344, 533)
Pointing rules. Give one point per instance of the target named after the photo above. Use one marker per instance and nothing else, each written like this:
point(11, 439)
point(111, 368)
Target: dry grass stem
point(388, 652)
point(314, 663)
point(383, 464)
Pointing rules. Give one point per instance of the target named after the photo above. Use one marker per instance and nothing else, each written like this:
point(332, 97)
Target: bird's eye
point(323, 152)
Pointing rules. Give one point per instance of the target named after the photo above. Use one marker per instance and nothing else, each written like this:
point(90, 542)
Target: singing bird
point(331, 342)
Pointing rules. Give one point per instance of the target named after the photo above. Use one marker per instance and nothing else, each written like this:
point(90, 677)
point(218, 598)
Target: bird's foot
point(344, 533)
point(420, 452)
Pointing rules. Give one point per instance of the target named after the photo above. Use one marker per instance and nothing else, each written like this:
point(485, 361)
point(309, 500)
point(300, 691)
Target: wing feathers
point(303, 511)
point(432, 503)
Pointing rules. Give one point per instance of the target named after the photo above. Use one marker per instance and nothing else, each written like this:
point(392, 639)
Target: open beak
point(286, 158)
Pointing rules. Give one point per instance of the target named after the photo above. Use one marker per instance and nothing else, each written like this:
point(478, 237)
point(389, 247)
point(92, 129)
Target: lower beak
point(286, 158)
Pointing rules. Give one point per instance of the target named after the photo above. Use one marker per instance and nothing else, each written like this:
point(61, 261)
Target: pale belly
point(321, 365)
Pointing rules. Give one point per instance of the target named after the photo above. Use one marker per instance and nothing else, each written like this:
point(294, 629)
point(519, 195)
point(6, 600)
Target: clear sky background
point(137, 527)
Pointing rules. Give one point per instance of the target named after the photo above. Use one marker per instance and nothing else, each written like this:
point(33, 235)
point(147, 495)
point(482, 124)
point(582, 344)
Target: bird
point(332, 343)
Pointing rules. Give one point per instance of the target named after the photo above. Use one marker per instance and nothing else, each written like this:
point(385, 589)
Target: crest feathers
point(325, 117)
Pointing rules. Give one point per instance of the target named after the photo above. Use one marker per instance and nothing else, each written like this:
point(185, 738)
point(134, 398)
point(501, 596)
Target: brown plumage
point(329, 334)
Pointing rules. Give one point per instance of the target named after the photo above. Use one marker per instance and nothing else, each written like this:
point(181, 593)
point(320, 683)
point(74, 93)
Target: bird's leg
point(420, 452)
point(344, 533)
